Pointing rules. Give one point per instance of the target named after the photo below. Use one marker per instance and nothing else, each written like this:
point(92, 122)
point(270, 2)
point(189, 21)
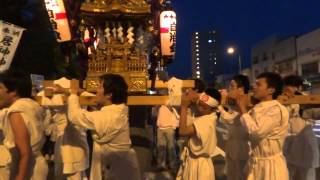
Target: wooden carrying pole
point(132, 100)
point(160, 100)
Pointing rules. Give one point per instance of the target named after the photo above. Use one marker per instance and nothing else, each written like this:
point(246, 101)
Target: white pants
point(166, 144)
point(195, 168)
point(40, 170)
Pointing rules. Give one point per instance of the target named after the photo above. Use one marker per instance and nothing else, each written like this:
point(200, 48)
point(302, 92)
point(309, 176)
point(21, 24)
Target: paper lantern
point(168, 25)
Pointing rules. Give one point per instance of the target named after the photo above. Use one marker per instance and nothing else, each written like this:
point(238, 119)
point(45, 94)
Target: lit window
point(198, 67)
point(198, 72)
point(209, 41)
point(196, 32)
point(197, 50)
point(197, 58)
point(197, 45)
point(196, 37)
point(197, 54)
point(198, 63)
point(197, 41)
point(215, 62)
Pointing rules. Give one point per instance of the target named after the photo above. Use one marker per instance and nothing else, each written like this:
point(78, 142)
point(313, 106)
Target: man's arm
point(243, 103)
point(185, 130)
point(262, 126)
point(227, 117)
point(22, 142)
point(77, 115)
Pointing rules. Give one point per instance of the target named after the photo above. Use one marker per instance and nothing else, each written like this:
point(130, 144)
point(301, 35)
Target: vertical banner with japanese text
point(10, 36)
point(168, 25)
point(58, 19)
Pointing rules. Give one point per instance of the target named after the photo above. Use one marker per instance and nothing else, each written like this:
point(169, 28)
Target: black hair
point(242, 81)
point(293, 80)
point(199, 85)
point(213, 93)
point(273, 80)
point(117, 86)
point(17, 81)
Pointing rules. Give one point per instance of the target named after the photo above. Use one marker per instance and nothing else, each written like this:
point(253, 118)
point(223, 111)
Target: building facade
point(308, 58)
point(274, 54)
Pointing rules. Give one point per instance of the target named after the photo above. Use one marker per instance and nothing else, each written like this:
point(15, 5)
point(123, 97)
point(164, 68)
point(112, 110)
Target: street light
point(232, 51)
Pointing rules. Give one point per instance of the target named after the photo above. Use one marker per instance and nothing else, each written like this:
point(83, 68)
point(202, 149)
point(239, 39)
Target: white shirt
point(110, 125)
point(205, 141)
point(174, 91)
point(268, 119)
point(2, 117)
point(267, 125)
point(196, 158)
point(111, 135)
point(296, 123)
point(237, 146)
point(166, 118)
point(33, 116)
point(5, 157)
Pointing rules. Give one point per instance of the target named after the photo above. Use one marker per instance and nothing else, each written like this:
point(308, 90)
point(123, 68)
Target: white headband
point(208, 100)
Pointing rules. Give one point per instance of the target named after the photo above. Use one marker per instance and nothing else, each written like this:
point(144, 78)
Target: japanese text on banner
point(10, 35)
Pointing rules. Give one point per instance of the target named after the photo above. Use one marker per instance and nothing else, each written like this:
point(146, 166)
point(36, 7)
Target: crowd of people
point(265, 141)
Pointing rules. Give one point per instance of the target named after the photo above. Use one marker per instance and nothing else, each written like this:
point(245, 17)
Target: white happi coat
point(237, 145)
point(196, 156)
point(112, 156)
point(267, 125)
point(301, 146)
point(5, 158)
point(71, 151)
point(33, 116)
point(71, 148)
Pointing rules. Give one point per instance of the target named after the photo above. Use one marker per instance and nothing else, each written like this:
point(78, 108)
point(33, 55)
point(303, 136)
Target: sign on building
point(168, 24)
point(58, 19)
point(10, 35)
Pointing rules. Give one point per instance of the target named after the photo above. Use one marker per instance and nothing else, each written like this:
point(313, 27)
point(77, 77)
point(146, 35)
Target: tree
point(38, 52)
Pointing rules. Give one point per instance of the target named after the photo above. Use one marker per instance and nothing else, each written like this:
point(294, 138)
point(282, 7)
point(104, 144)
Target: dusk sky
point(239, 22)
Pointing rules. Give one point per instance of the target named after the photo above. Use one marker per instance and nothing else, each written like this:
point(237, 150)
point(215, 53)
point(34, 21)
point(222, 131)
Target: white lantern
point(168, 24)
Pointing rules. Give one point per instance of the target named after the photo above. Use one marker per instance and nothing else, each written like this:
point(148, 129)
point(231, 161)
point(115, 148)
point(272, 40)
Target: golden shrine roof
point(116, 6)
